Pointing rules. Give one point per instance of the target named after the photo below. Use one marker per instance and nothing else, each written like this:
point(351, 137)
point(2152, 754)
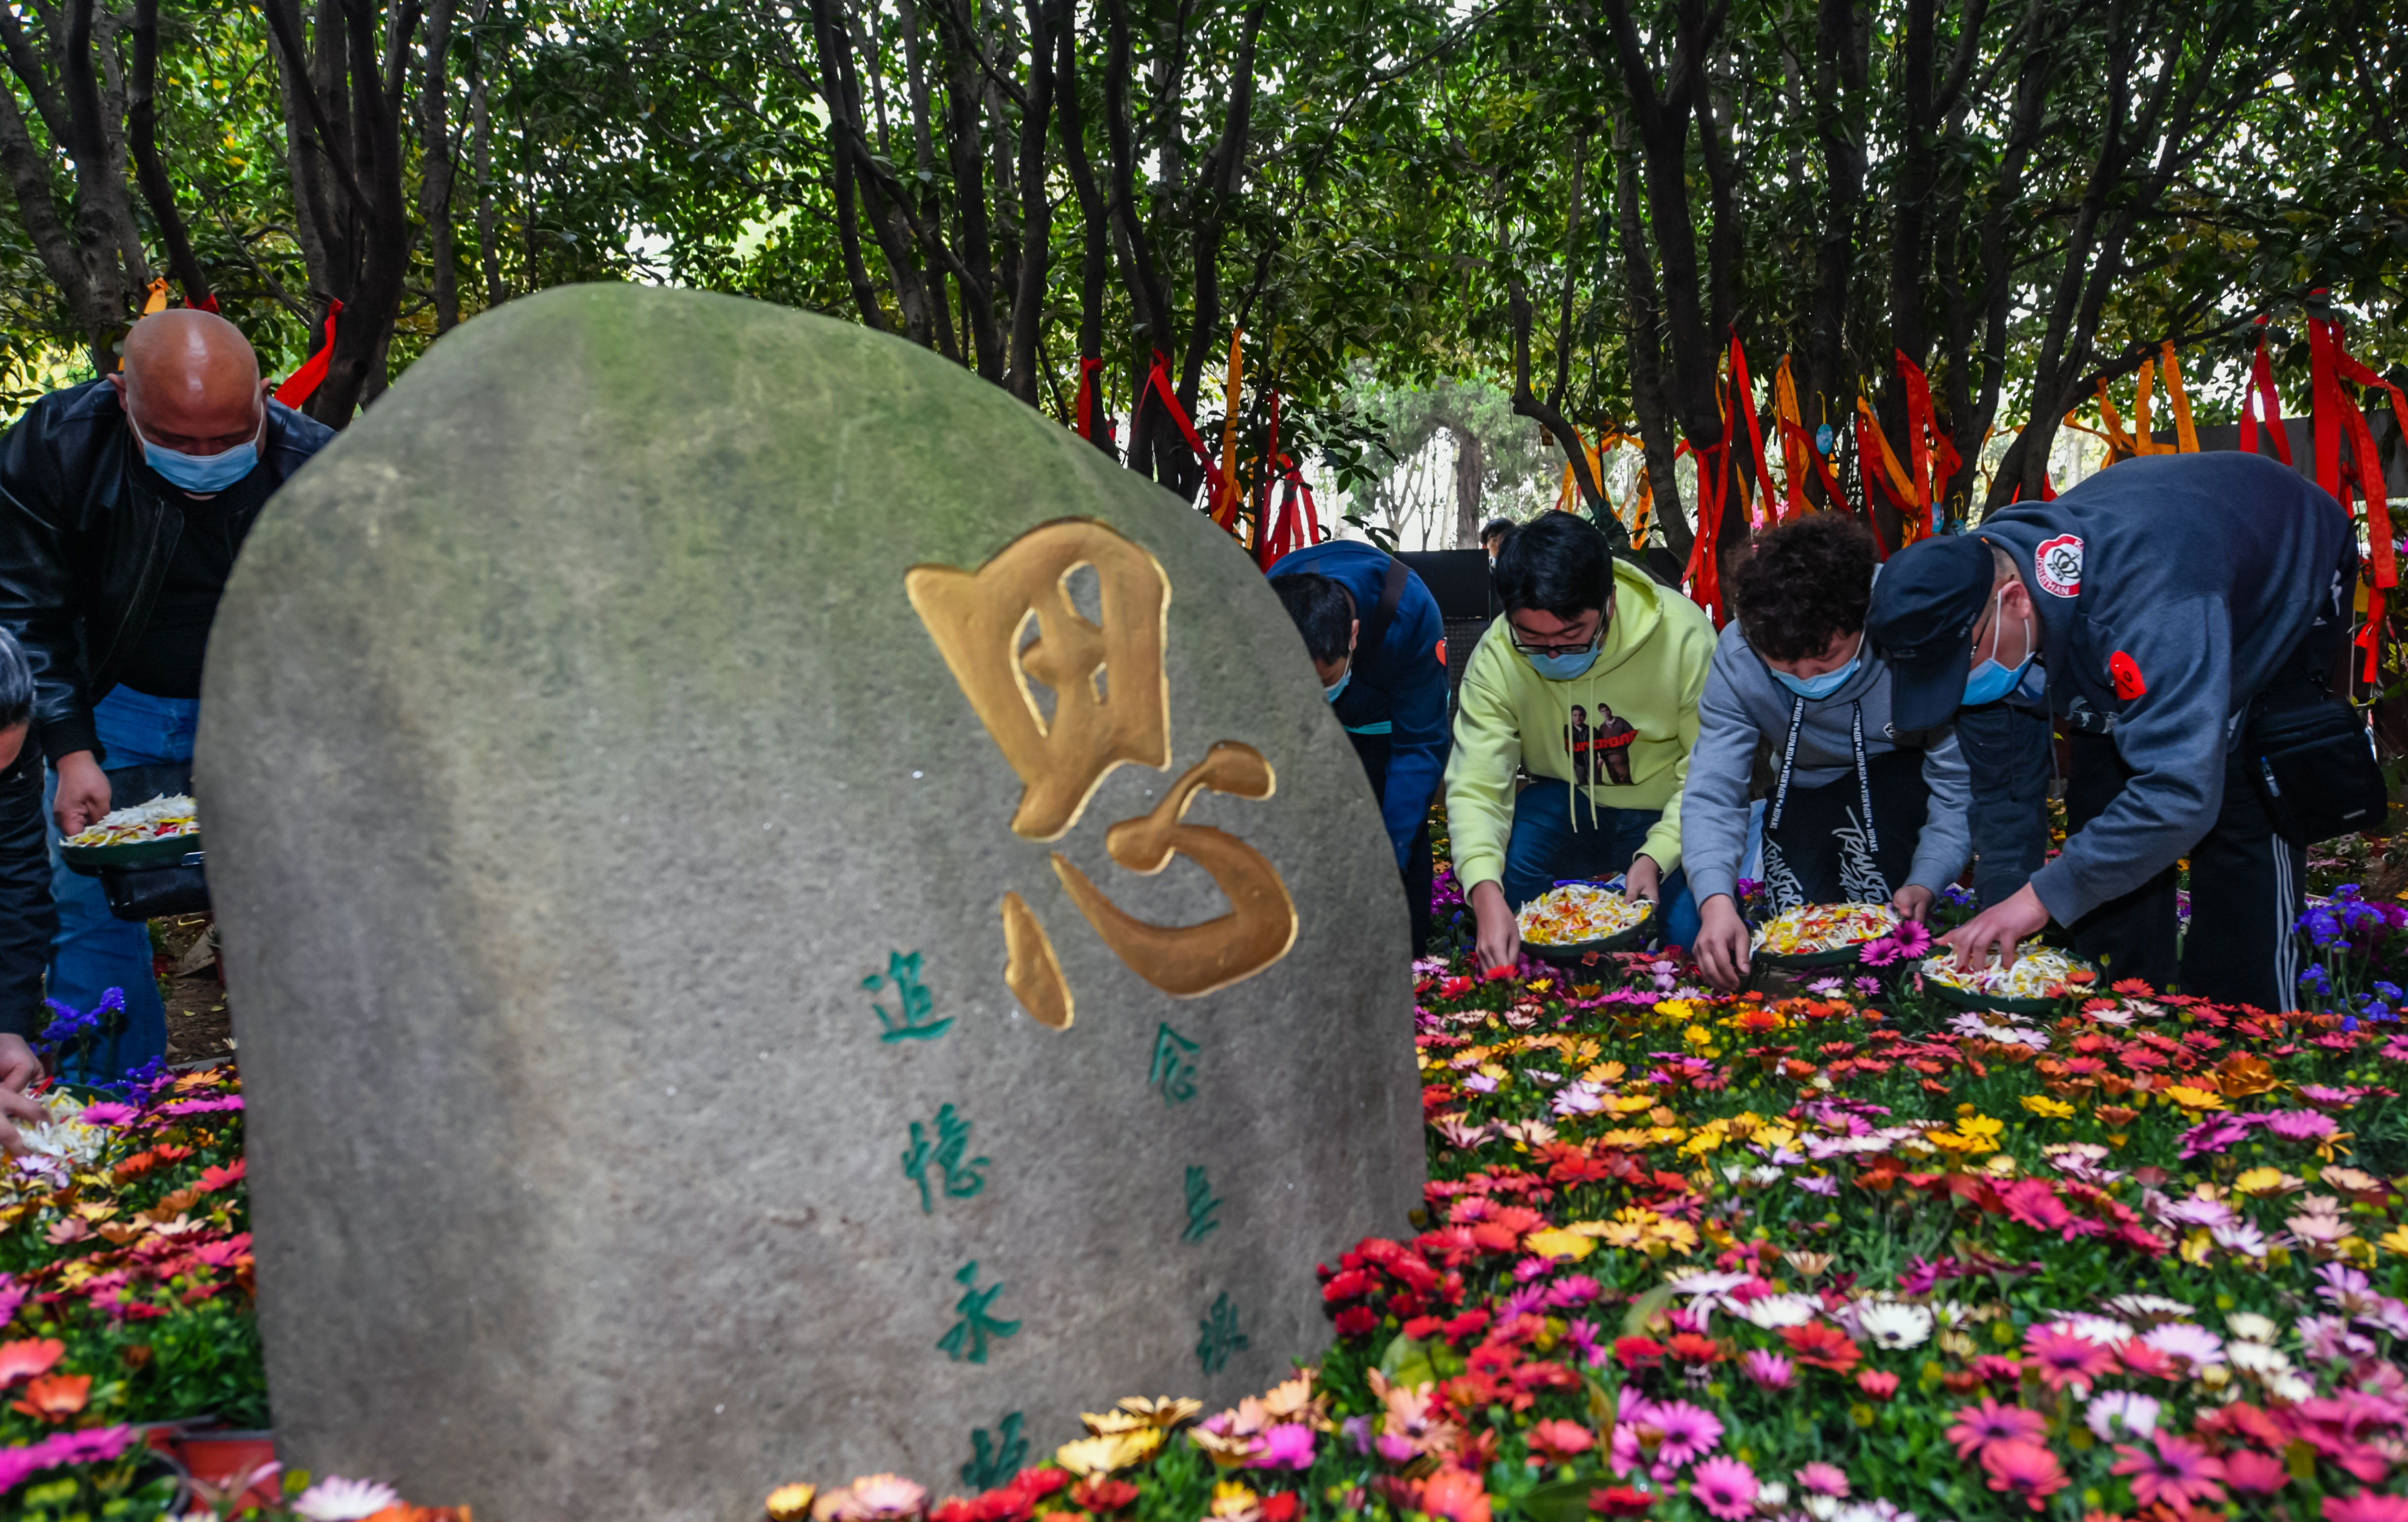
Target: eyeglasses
point(1583, 648)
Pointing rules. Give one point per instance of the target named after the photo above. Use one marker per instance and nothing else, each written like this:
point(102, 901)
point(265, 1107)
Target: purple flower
point(202, 1107)
point(1573, 1289)
point(89, 1445)
point(1868, 986)
point(2300, 1125)
point(1356, 1432)
point(1817, 1184)
point(2213, 1134)
point(108, 1114)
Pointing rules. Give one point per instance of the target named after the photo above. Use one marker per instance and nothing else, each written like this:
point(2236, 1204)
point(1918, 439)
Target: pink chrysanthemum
point(1770, 1370)
point(1724, 1486)
point(2025, 1471)
point(2064, 1359)
point(2178, 1471)
point(1820, 1479)
point(1690, 1432)
point(1983, 1427)
point(2366, 1506)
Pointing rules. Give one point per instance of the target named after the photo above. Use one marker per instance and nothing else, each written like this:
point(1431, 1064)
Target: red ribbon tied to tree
point(303, 383)
point(2337, 413)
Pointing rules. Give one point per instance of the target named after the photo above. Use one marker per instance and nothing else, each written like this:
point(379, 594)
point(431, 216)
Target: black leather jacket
point(85, 539)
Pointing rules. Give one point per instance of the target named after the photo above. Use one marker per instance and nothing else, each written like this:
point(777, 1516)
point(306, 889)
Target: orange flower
point(55, 1397)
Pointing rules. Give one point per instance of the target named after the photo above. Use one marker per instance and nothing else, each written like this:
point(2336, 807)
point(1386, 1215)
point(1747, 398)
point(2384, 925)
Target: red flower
point(1358, 1321)
point(1557, 1441)
point(1876, 1383)
point(24, 1359)
point(1421, 1328)
point(1280, 1507)
point(1691, 1348)
point(1821, 1346)
point(1638, 1352)
point(1620, 1500)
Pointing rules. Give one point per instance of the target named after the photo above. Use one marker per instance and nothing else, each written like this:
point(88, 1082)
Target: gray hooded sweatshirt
point(1744, 704)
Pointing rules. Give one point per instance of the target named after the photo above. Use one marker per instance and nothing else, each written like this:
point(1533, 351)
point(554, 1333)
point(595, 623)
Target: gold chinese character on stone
point(1111, 697)
point(1191, 959)
point(1111, 694)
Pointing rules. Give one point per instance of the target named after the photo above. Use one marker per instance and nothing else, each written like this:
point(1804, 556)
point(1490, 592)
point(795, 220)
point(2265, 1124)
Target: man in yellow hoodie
point(1580, 629)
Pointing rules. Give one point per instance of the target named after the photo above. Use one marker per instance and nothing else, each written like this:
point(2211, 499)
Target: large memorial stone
point(788, 918)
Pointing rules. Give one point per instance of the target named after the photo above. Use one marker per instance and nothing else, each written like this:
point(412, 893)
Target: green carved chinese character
point(917, 1003)
point(995, 1461)
point(967, 1340)
point(1172, 1073)
point(1221, 1335)
point(959, 1178)
point(1201, 1204)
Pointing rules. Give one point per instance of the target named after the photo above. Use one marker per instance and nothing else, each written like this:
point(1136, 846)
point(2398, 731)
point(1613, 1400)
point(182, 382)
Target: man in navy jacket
point(1379, 643)
point(2158, 601)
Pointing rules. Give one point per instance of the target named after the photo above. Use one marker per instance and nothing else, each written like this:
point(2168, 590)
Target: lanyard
point(1864, 779)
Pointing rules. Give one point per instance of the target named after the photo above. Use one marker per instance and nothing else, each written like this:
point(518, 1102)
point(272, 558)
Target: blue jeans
point(1544, 848)
point(93, 951)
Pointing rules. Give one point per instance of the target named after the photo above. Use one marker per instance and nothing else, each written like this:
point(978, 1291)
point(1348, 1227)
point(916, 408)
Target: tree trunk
point(1471, 472)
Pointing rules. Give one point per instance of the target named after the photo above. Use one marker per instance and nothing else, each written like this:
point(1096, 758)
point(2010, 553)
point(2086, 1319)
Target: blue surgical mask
point(1330, 693)
point(1825, 684)
point(1562, 667)
point(1991, 681)
point(203, 473)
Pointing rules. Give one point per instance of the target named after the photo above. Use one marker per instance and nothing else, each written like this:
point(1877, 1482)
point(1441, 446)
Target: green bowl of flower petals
point(2039, 978)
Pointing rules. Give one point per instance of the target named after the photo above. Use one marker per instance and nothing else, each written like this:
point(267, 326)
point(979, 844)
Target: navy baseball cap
point(1924, 604)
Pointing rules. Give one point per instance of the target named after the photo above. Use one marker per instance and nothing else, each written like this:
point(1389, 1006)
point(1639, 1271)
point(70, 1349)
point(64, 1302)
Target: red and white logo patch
point(2058, 562)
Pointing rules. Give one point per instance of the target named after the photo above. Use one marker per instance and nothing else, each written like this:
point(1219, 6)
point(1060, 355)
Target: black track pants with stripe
point(2245, 897)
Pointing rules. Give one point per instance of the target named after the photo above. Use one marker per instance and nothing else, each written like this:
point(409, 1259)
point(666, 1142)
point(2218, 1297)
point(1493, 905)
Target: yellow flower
point(1163, 1411)
point(1230, 1498)
point(1557, 1243)
point(791, 1503)
point(1982, 1126)
point(2394, 1240)
point(2041, 1104)
point(1627, 1230)
point(1629, 1104)
point(2260, 1182)
point(1105, 1453)
point(2195, 1098)
point(1697, 1036)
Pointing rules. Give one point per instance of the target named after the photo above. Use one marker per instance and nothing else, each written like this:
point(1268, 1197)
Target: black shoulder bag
point(2313, 759)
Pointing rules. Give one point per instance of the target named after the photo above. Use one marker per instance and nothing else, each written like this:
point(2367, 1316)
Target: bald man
point(123, 503)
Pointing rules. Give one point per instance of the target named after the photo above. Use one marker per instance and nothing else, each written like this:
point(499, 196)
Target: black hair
point(1496, 529)
point(1324, 611)
point(16, 684)
point(1803, 584)
point(1557, 564)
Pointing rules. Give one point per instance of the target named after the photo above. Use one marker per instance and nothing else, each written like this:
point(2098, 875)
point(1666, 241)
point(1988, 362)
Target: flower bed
point(1681, 1256)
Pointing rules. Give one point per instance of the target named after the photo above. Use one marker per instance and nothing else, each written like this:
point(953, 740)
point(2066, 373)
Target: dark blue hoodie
point(1398, 690)
point(2170, 589)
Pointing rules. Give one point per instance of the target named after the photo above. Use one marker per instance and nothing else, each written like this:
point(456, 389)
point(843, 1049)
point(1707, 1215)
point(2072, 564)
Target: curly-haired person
point(1858, 812)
